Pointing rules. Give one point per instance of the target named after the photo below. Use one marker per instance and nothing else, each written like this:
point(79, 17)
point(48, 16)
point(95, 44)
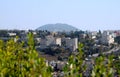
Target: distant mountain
point(57, 27)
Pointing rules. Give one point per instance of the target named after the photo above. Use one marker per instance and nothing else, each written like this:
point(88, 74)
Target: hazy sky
point(83, 14)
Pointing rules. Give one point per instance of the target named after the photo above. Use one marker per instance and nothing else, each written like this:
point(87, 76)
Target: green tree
point(116, 65)
point(19, 61)
point(75, 67)
point(103, 67)
point(117, 39)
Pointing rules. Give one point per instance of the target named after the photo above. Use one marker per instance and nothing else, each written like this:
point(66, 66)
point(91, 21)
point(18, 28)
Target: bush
point(19, 61)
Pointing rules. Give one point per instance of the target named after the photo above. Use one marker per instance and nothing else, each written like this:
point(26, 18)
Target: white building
point(12, 34)
point(50, 40)
point(71, 43)
point(93, 34)
point(108, 37)
point(58, 41)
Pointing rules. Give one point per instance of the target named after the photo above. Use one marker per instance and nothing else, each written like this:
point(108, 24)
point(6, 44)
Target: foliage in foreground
point(103, 66)
point(75, 67)
point(16, 60)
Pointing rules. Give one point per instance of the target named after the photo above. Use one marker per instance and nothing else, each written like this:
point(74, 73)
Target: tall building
point(72, 44)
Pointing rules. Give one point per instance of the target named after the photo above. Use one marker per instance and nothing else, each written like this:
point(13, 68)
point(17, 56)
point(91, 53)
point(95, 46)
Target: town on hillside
point(56, 47)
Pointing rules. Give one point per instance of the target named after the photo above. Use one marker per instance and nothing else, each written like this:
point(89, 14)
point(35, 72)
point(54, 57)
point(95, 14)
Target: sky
point(83, 14)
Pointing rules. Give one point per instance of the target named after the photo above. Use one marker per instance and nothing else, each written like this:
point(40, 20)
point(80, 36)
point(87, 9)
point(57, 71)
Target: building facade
point(72, 44)
point(108, 37)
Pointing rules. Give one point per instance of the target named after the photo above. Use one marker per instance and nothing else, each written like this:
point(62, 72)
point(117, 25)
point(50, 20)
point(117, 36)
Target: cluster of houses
point(8, 34)
point(67, 43)
point(107, 36)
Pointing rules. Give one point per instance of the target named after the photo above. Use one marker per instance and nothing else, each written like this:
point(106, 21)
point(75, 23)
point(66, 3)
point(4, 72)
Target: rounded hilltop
point(58, 27)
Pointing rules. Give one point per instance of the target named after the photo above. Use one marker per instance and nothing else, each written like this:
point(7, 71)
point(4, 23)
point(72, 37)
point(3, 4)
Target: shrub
point(19, 61)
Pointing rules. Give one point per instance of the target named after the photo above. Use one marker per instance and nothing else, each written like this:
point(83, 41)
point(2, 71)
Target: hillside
point(57, 27)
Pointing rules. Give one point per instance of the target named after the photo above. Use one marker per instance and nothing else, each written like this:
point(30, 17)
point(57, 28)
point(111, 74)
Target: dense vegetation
point(117, 39)
point(102, 66)
point(18, 60)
